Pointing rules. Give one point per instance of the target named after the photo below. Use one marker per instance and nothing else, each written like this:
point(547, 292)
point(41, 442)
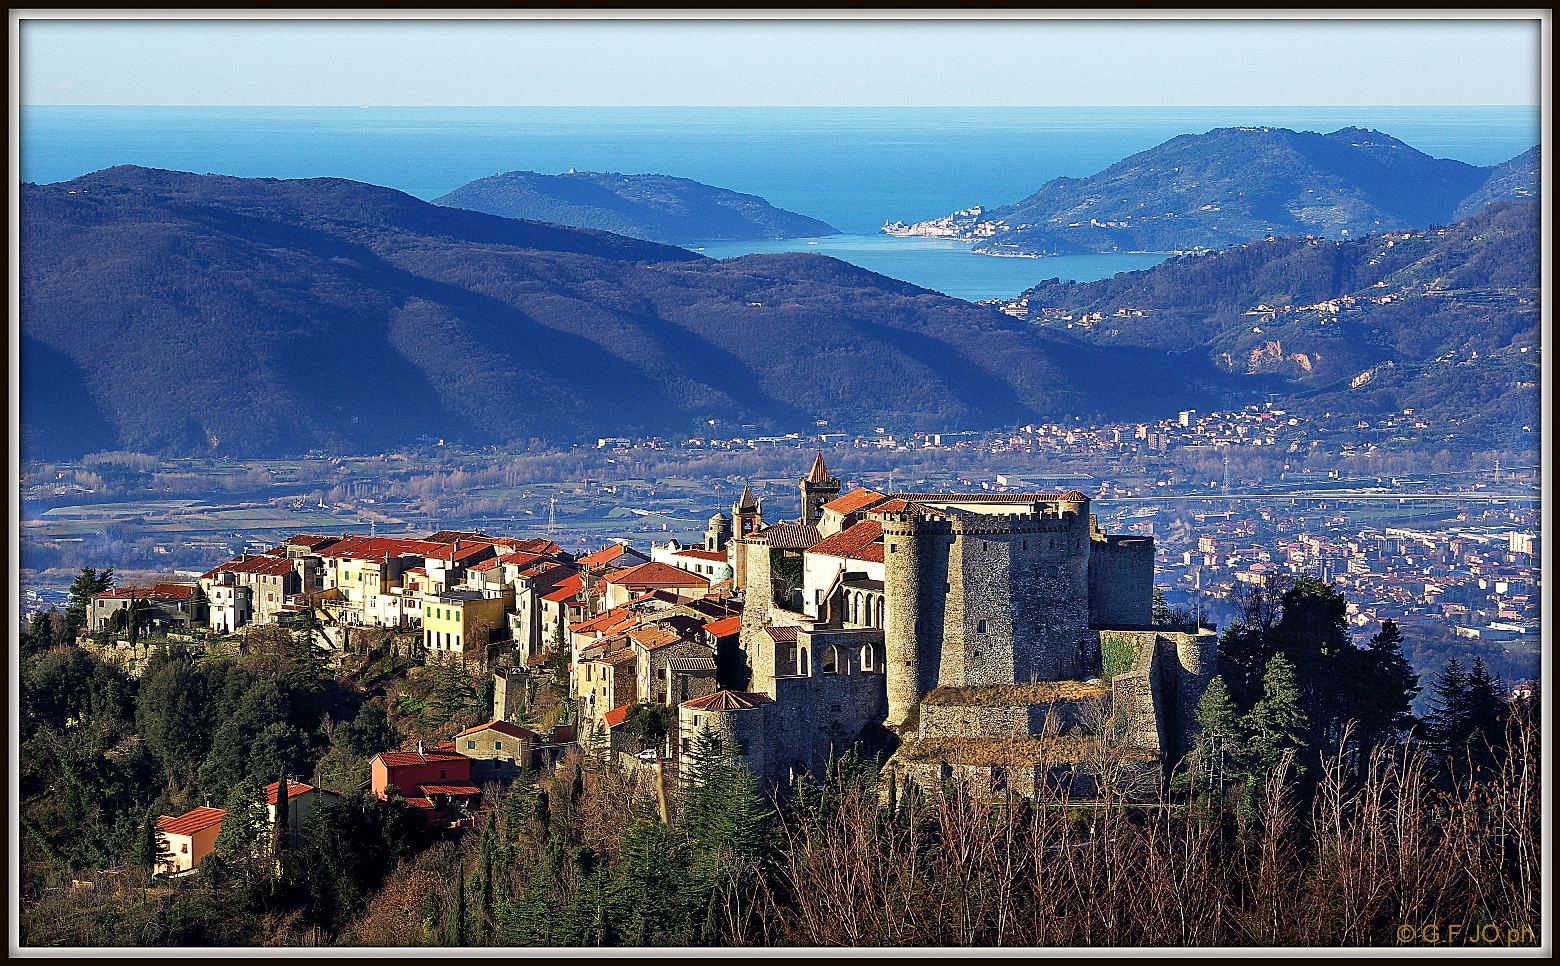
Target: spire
point(746, 502)
point(819, 472)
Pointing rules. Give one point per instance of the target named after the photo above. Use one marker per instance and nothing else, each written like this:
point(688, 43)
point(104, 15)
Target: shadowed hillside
point(206, 314)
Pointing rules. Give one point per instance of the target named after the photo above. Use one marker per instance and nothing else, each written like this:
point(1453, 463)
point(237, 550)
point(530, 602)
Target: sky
point(834, 63)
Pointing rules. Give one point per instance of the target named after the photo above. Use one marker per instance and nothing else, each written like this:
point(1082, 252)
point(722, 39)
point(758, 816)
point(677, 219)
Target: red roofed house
point(621, 586)
point(438, 784)
point(301, 799)
point(253, 588)
point(189, 836)
point(168, 606)
point(841, 513)
point(842, 577)
point(711, 564)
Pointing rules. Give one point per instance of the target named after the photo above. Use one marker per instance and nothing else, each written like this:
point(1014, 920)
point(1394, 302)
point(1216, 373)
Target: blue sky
point(781, 63)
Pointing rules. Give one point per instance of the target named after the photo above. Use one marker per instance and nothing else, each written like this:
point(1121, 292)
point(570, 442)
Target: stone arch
point(835, 661)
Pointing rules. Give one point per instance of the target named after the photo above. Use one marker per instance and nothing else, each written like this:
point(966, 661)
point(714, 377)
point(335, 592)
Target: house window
point(470, 743)
point(695, 721)
point(980, 627)
point(185, 848)
point(498, 746)
point(441, 773)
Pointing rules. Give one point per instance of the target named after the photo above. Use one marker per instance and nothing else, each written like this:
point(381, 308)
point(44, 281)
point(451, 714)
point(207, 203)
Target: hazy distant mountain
point(1442, 321)
point(186, 314)
point(1208, 191)
point(1517, 178)
point(655, 207)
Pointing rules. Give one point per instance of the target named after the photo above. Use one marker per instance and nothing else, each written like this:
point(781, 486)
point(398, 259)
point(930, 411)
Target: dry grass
point(1015, 695)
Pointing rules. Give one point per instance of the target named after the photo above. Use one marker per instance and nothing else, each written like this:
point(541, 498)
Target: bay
point(854, 168)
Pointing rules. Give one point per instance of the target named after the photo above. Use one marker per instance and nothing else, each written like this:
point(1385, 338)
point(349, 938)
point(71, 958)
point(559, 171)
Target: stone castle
point(1002, 638)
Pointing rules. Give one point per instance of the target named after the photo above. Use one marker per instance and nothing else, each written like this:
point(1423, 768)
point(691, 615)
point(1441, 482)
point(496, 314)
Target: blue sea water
point(854, 168)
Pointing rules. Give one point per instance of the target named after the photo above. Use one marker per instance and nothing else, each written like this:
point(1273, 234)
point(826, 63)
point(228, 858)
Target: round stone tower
point(717, 533)
point(902, 600)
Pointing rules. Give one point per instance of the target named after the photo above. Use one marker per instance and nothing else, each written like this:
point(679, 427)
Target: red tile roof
point(859, 542)
point(566, 588)
point(450, 536)
point(450, 788)
point(785, 634)
point(502, 727)
point(156, 592)
point(725, 627)
point(656, 575)
point(190, 822)
point(791, 536)
point(294, 789)
point(399, 759)
point(610, 555)
point(615, 717)
point(853, 501)
point(729, 701)
point(313, 541)
point(699, 553)
point(651, 638)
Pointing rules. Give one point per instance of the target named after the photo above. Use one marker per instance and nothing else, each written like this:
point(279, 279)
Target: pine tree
point(241, 842)
point(1277, 722)
point(1388, 689)
point(1446, 725)
point(87, 583)
point(1219, 733)
point(1161, 614)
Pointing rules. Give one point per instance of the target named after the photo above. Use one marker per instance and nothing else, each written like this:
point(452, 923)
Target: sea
point(854, 168)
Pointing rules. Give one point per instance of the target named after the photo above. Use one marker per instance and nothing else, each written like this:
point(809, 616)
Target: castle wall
point(744, 732)
point(902, 614)
point(972, 721)
point(819, 713)
point(1156, 699)
point(1121, 580)
point(1137, 697)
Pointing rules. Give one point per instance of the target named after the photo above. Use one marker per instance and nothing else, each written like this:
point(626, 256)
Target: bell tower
point(818, 488)
point(746, 514)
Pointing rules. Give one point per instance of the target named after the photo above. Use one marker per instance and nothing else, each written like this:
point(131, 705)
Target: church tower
point(818, 488)
point(747, 515)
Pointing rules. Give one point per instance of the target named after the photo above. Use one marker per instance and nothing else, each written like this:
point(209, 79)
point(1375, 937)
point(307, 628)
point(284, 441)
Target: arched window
point(879, 621)
point(833, 660)
point(980, 627)
point(802, 662)
point(866, 658)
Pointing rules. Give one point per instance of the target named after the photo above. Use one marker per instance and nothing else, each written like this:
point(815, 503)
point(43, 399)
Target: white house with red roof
point(713, 565)
point(620, 586)
point(189, 838)
point(167, 605)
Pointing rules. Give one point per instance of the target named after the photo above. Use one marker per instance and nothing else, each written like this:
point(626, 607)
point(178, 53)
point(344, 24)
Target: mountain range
point(1440, 321)
point(1231, 185)
point(185, 314)
point(674, 211)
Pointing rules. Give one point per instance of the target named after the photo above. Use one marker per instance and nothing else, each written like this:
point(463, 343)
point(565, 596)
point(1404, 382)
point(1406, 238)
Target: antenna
point(552, 516)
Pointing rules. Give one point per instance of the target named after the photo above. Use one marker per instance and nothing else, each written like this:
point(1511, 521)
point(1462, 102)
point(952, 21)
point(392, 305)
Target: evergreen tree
point(151, 848)
point(1389, 687)
point(1219, 734)
point(455, 925)
point(1447, 724)
point(243, 843)
point(1467, 719)
point(282, 834)
point(87, 583)
point(1277, 722)
point(1161, 614)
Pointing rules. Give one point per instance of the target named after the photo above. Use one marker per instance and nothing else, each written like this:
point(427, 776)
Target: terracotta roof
point(156, 592)
point(656, 574)
point(691, 664)
point(699, 553)
point(782, 635)
point(610, 554)
point(1074, 496)
point(420, 802)
point(898, 505)
point(450, 788)
point(853, 501)
point(615, 717)
point(538, 545)
point(726, 626)
point(729, 701)
point(450, 536)
point(398, 759)
point(854, 543)
point(819, 473)
point(792, 536)
point(192, 821)
point(566, 588)
point(651, 638)
point(502, 727)
point(312, 541)
point(294, 789)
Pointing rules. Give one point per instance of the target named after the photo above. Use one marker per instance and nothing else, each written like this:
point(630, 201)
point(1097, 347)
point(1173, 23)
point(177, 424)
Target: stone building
point(950, 626)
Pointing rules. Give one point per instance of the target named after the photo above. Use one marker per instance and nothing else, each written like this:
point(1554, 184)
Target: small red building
point(438, 784)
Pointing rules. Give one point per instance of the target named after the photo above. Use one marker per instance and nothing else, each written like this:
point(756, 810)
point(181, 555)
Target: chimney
point(419, 746)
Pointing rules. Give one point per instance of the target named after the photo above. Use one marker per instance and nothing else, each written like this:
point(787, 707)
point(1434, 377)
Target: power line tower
point(552, 516)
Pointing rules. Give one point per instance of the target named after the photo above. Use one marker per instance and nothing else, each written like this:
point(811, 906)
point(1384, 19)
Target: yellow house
point(190, 837)
point(459, 623)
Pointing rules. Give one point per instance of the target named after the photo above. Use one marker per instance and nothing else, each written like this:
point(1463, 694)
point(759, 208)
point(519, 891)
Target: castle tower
point(818, 488)
point(717, 533)
point(901, 614)
point(747, 514)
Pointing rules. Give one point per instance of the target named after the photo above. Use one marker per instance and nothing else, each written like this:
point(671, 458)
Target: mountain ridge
point(1207, 191)
point(659, 208)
